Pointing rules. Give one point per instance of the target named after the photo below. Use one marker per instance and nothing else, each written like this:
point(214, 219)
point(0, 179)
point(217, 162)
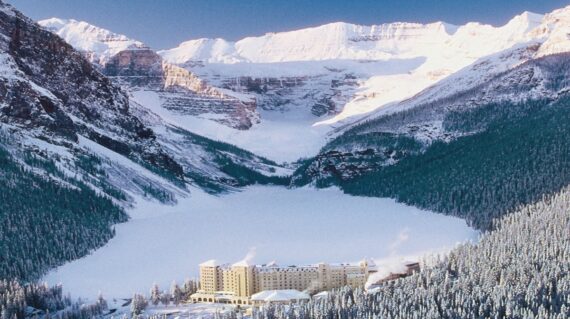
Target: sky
point(164, 24)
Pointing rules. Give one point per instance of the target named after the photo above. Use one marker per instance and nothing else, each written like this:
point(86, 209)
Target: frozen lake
point(165, 243)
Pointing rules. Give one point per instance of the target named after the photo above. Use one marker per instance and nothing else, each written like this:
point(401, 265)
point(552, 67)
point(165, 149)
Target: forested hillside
point(523, 154)
point(47, 219)
point(75, 149)
point(520, 270)
point(465, 155)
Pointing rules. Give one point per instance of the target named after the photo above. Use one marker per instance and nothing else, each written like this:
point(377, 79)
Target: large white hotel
point(236, 283)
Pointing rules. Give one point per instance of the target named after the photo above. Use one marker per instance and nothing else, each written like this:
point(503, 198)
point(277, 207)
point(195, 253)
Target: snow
point(280, 295)
point(197, 311)
point(7, 9)
point(209, 263)
point(127, 165)
point(322, 294)
point(165, 243)
point(100, 43)
point(211, 50)
point(291, 69)
point(282, 137)
point(8, 67)
point(378, 91)
point(248, 260)
point(392, 62)
point(337, 40)
point(556, 29)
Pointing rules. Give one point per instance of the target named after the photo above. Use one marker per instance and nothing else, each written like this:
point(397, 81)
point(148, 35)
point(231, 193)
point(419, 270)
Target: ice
point(299, 226)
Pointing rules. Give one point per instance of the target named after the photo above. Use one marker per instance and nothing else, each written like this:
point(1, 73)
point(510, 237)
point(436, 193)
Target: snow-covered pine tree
point(138, 304)
point(175, 293)
point(102, 302)
point(155, 294)
point(521, 269)
point(165, 298)
point(190, 287)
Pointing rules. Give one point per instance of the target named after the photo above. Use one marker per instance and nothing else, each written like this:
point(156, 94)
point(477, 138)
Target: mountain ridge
point(469, 121)
point(72, 134)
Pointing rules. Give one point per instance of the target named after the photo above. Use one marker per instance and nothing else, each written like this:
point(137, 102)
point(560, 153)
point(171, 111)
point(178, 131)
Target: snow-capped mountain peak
point(556, 28)
point(338, 40)
point(204, 49)
point(98, 44)
point(330, 76)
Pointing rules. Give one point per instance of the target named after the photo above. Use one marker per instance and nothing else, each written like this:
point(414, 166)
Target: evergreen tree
point(521, 269)
point(155, 294)
point(176, 293)
point(165, 298)
point(138, 304)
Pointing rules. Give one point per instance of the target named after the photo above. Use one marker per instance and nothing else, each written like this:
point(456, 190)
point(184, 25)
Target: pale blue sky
point(165, 23)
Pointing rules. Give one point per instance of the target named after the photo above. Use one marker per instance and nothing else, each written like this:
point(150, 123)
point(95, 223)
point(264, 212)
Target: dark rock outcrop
point(51, 88)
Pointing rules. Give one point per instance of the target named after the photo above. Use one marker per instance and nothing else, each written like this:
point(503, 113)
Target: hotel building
point(236, 283)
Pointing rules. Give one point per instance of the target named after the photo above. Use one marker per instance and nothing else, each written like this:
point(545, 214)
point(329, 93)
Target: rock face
point(186, 94)
point(57, 103)
point(180, 91)
point(324, 94)
point(50, 87)
point(136, 67)
point(143, 62)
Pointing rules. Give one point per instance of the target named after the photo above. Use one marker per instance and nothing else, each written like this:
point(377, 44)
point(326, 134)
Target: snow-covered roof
point(209, 263)
point(280, 295)
point(322, 294)
point(243, 263)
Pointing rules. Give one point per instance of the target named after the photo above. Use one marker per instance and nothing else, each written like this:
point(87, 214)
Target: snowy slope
point(208, 50)
point(556, 29)
point(39, 105)
point(389, 63)
point(546, 37)
point(311, 84)
point(98, 44)
point(128, 148)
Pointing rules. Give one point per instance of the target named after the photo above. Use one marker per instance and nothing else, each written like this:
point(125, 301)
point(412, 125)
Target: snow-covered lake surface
point(165, 243)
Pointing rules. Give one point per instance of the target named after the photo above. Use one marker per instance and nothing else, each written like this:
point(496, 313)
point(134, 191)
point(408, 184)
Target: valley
point(123, 166)
point(161, 244)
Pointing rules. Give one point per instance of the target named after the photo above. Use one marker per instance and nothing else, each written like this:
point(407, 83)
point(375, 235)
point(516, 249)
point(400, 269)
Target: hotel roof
point(280, 295)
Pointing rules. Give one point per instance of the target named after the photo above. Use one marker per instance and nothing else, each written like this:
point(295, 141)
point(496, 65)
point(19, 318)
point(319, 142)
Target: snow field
point(165, 243)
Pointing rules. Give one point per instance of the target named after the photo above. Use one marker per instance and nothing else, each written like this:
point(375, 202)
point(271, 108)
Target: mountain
point(543, 37)
point(321, 79)
point(43, 121)
point(344, 41)
point(301, 87)
point(382, 98)
point(137, 67)
point(477, 144)
point(38, 98)
point(469, 121)
point(76, 150)
point(99, 44)
point(414, 55)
